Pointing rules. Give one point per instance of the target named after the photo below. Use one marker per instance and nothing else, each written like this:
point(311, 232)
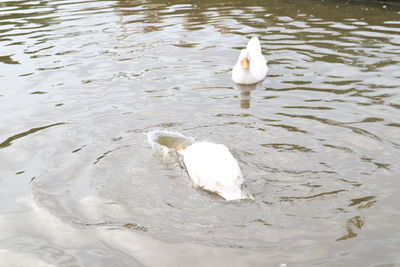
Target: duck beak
point(245, 63)
point(179, 147)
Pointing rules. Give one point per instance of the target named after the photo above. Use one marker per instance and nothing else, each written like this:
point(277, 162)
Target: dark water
point(81, 82)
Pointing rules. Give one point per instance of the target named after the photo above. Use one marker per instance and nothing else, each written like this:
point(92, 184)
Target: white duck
point(212, 167)
point(251, 66)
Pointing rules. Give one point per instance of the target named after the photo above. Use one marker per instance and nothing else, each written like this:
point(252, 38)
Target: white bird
point(251, 66)
point(213, 168)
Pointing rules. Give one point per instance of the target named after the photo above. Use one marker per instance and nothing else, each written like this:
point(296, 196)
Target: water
point(82, 82)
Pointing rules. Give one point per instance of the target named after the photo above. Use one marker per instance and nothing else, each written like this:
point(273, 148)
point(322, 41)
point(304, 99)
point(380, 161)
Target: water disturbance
point(83, 82)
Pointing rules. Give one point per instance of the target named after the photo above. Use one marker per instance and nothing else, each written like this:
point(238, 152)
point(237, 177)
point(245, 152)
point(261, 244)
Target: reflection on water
point(82, 82)
point(245, 93)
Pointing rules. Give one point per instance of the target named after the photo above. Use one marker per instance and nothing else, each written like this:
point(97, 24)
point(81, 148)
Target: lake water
point(82, 82)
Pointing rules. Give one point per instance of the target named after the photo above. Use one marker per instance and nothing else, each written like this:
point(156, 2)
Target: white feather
point(213, 168)
point(257, 69)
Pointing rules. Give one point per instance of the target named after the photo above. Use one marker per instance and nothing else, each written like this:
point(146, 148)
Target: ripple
point(360, 202)
point(313, 196)
point(289, 147)
point(317, 141)
point(11, 139)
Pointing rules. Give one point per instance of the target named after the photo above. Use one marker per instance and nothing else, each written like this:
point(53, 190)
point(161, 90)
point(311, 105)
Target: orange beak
point(245, 63)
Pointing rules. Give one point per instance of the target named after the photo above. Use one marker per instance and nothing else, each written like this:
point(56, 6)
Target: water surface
point(82, 82)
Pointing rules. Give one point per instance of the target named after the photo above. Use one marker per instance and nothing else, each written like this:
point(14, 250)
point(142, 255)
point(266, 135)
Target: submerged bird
point(212, 167)
point(251, 66)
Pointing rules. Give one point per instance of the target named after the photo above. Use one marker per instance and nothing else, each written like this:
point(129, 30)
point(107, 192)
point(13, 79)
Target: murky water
point(82, 82)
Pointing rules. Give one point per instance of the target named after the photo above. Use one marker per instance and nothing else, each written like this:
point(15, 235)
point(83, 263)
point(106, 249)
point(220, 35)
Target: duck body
point(251, 66)
point(213, 168)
